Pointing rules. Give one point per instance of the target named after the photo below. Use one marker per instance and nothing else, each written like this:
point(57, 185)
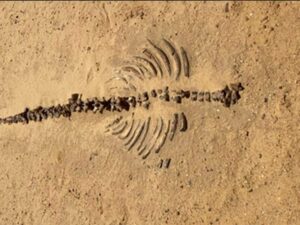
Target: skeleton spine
point(228, 96)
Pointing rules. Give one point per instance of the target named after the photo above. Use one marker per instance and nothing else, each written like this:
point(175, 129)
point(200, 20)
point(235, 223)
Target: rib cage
point(161, 62)
point(156, 62)
point(146, 134)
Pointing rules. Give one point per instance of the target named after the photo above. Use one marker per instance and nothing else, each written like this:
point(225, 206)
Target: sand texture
point(237, 165)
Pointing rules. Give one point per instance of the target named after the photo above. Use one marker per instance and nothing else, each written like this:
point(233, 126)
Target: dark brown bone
point(228, 96)
point(183, 122)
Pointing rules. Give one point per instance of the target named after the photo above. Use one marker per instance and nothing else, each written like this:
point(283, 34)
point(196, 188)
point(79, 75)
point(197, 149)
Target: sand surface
point(235, 166)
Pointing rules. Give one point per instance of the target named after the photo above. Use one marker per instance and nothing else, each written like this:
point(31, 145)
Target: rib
point(146, 155)
point(132, 86)
point(136, 138)
point(155, 138)
point(163, 139)
point(114, 122)
point(135, 71)
point(163, 57)
point(143, 68)
point(117, 126)
point(140, 149)
point(149, 54)
point(117, 78)
point(183, 121)
point(177, 69)
point(126, 134)
point(133, 133)
point(125, 75)
point(120, 129)
point(173, 126)
point(185, 62)
point(149, 63)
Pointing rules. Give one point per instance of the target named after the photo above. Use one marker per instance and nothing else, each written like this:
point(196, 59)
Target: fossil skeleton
point(146, 135)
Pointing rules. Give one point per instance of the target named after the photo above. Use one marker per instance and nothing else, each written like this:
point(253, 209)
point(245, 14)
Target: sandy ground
point(234, 166)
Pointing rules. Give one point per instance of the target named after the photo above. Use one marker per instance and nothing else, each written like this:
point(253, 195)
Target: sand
point(235, 166)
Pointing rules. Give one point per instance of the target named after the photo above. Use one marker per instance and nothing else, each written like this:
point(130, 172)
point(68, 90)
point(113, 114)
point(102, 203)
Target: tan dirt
point(236, 166)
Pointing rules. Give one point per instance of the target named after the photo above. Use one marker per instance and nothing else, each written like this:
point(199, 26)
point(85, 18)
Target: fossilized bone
point(148, 134)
